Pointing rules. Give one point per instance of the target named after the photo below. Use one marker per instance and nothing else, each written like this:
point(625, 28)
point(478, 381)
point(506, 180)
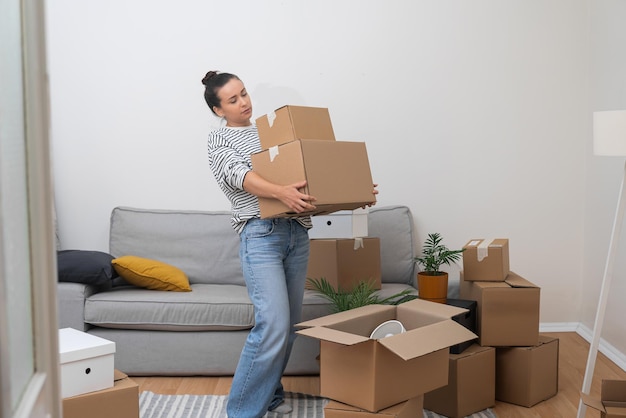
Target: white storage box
point(86, 362)
point(340, 225)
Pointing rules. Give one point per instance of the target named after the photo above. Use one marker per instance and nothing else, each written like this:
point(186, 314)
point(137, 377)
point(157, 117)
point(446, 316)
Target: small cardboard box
point(528, 375)
point(467, 319)
point(507, 312)
point(412, 408)
point(120, 401)
point(337, 173)
point(471, 384)
point(486, 260)
point(87, 362)
point(289, 123)
point(345, 262)
point(376, 374)
point(612, 402)
point(342, 224)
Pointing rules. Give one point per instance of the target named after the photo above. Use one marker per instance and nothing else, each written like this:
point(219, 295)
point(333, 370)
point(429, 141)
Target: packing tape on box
point(273, 152)
point(482, 250)
point(270, 118)
point(358, 243)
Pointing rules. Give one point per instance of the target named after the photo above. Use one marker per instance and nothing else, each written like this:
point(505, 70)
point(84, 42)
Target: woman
point(274, 252)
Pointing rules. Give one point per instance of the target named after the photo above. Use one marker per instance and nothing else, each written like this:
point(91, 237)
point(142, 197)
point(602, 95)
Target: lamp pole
point(604, 294)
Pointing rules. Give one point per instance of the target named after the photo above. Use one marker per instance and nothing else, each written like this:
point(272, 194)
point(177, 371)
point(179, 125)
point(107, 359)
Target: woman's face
point(235, 104)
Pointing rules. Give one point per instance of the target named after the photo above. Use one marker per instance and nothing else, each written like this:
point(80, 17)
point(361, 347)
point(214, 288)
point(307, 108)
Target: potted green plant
point(432, 283)
point(362, 294)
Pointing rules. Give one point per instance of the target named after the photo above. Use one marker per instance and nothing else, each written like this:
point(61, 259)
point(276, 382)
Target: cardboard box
point(342, 224)
point(376, 374)
point(486, 260)
point(467, 319)
point(409, 409)
point(345, 262)
point(337, 174)
point(87, 362)
point(471, 384)
point(289, 123)
point(119, 401)
point(612, 402)
point(528, 375)
point(507, 312)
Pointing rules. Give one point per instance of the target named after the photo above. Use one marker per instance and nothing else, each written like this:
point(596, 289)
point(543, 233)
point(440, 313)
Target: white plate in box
point(342, 224)
point(87, 362)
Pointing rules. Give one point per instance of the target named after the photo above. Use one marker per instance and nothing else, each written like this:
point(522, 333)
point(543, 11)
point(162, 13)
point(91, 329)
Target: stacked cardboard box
point(90, 386)
point(367, 377)
point(298, 143)
point(508, 319)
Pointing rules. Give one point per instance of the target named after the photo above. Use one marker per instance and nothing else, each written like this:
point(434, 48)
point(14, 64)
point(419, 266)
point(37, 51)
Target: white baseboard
point(558, 326)
point(605, 348)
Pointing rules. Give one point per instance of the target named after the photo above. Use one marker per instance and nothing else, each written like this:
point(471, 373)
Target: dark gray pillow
point(87, 267)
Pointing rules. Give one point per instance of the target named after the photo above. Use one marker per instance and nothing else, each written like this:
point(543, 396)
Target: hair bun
point(207, 78)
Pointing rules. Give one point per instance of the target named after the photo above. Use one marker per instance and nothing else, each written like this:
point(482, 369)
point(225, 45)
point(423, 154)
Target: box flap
point(515, 280)
point(427, 339)
point(333, 335)
point(339, 317)
point(424, 306)
point(592, 402)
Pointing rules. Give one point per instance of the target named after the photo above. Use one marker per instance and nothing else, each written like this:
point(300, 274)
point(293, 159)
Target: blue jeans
point(274, 255)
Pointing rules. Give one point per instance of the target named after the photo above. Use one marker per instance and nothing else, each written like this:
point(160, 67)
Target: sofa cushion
point(394, 226)
point(202, 244)
point(151, 274)
point(206, 308)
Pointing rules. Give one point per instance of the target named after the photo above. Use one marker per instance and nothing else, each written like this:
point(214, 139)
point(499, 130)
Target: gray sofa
point(202, 332)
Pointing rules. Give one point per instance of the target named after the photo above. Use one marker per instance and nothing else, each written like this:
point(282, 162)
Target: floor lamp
point(609, 139)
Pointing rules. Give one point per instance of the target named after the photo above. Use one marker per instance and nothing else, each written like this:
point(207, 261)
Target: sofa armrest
point(71, 304)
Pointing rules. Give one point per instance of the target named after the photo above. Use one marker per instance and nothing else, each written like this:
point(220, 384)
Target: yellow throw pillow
point(151, 274)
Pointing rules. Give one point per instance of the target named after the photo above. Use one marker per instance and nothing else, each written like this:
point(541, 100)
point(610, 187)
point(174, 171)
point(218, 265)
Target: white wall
point(477, 115)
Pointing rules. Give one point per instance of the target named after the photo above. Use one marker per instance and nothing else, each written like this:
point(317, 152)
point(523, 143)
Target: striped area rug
point(152, 405)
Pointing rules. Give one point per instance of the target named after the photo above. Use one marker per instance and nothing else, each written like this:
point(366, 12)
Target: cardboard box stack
point(341, 251)
point(387, 376)
point(90, 386)
point(298, 143)
point(507, 318)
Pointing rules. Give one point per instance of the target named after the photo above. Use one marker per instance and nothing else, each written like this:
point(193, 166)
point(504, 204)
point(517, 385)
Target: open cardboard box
point(612, 402)
point(376, 374)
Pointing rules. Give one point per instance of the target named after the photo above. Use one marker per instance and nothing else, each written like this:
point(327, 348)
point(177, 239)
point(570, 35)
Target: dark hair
point(213, 81)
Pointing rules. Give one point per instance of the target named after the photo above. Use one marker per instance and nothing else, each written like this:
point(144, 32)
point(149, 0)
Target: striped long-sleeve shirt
point(229, 157)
